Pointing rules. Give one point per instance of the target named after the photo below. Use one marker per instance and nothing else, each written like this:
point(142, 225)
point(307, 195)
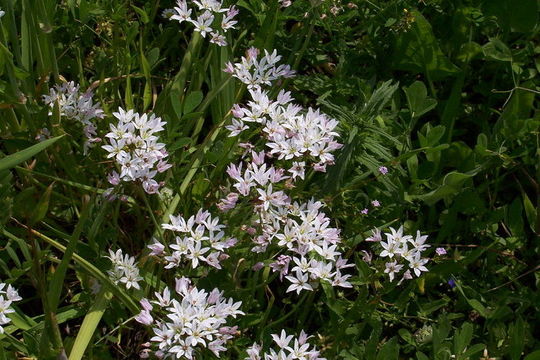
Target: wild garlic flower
point(8, 295)
point(209, 17)
point(288, 347)
point(307, 242)
point(76, 105)
point(255, 73)
point(285, 3)
point(201, 240)
point(134, 146)
point(188, 320)
point(291, 133)
point(299, 232)
point(124, 269)
point(403, 252)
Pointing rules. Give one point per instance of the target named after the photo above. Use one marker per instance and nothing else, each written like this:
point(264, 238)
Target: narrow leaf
point(13, 160)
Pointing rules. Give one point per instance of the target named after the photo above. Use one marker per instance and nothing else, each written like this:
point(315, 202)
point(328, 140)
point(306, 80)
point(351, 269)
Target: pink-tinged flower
point(319, 167)
point(258, 266)
point(376, 203)
point(252, 53)
point(163, 166)
point(440, 251)
point(114, 178)
point(281, 265)
point(376, 236)
point(144, 318)
point(364, 211)
point(367, 257)
point(229, 69)
point(383, 170)
point(258, 158)
point(406, 276)
point(157, 248)
point(182, 285)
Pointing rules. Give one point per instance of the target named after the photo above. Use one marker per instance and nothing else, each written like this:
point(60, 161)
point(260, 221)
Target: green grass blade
point(93, 271)
point(55, 287)
point(89, 325)
point(13, 160)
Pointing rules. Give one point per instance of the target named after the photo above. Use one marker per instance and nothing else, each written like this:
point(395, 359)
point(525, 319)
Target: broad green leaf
point(13, 160)
point(469, 51)
point(533, 356)
point(174, 97)
point(192, 101)
point(143, 15)
point(417, 99)
point(463, 338)
point(497, 50)
point(389, 351)
point(516, 333)
point(452, 184)
point(417, 50)
point(530, 211)
point(515, 217)
point(473, 350)
point(453, 108)
point(40, 210)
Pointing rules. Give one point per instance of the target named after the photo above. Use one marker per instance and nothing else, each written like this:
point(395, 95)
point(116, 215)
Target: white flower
point(300, 349)
point(133, 145)
point(298, 169)
point(392, 268)
point(7, 297)
point(76, 105)
point(299, 282)
point(191, 320)
point(417, 264)
point(124, 269)
point(391, 247)
point(398, 249)
point(255, 73)
point(203, 240)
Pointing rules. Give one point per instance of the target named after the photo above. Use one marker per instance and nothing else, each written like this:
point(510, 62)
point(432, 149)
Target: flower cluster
point(255, 73)
point(194, 321)
point(135, 148)
point(7, 297)
point(309, 245)
point(300, 230)
point(212, 18)
point(290, 132)
point(288, 348)
point(399, 247)
point(78, 106)
point(292, 138)
point(201, 239)
point(124, 269)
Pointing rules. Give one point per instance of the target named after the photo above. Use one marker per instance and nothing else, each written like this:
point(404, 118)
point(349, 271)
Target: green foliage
point(444, 94)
